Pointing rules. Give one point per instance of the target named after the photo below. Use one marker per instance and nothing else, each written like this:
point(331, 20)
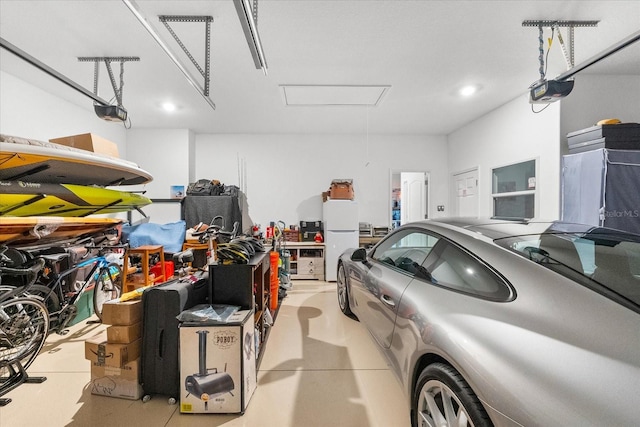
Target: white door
point(414, 197)
point(465, 197)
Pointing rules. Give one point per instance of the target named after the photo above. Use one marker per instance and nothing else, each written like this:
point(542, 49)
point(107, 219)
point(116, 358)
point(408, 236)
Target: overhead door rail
point(134, 8)
point(53, 73)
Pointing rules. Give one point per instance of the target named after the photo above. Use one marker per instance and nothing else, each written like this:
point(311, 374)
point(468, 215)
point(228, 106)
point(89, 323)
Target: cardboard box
point(101, 352)
point(89, 142)
point(122, 313)
point(341, 189)
point(123, 383)
point(230, 362)
point(125, 334)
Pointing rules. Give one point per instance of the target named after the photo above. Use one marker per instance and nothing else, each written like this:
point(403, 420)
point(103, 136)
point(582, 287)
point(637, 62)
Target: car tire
point(443, 397)
point(343, 291)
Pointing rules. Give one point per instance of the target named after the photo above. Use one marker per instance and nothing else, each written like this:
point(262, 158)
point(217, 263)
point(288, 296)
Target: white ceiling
point(424, 50)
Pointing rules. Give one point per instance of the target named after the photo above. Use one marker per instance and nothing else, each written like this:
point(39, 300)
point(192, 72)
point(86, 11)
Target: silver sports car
point(504, 323)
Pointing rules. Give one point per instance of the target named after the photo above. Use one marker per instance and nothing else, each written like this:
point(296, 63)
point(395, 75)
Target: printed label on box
point(117, 382)
point(218, 366)
point(100, 352)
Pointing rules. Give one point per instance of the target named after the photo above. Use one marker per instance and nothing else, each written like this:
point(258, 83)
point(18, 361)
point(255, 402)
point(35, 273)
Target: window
point(608, 258)
point(406, 251)
point(514, 189)
point(453, 268)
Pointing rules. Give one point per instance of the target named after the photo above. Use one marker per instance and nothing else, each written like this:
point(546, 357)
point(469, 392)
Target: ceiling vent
point(334, 95)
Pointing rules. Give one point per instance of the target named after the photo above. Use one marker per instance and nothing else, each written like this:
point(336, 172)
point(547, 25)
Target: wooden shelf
point(145, 252)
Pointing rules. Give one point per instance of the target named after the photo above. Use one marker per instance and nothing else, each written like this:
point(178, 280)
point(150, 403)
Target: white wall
point(510, 134)
point(29, 112)
point(286, 174)
point(597, 97)
point(167, 155)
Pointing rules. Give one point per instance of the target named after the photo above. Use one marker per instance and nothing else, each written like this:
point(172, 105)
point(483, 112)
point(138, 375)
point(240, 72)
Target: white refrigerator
point(341, 232)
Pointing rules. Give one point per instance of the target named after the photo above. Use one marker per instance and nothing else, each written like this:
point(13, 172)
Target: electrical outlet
point(440, 208)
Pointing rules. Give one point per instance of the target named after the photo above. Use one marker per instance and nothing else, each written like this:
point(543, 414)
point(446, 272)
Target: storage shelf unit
point(247, 286)
point(307, 260)
point(370, 235)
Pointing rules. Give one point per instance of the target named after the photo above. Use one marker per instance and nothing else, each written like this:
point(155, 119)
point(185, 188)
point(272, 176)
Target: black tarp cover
point(622, 190)
point(196, 209)
point(602, 188)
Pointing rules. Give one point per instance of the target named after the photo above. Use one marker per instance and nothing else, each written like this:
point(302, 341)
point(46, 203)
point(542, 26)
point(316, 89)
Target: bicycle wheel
point(108, 287)
point(24, 327)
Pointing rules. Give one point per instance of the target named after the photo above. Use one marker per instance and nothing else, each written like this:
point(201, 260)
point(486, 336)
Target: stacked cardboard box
point(115, 353)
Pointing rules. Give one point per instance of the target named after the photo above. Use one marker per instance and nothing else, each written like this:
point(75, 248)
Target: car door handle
point(388, 301)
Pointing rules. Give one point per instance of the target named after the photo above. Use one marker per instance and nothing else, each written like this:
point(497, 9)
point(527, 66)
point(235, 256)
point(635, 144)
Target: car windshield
point(605, 260)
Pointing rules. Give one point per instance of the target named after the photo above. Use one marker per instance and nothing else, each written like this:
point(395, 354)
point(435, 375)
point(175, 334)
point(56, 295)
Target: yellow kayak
point(19, 198)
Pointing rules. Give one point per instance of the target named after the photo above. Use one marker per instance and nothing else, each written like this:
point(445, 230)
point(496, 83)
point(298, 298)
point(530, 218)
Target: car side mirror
point(359, 254)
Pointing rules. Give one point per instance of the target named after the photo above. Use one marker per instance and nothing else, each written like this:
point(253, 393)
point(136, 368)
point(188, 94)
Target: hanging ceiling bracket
point(559, 23)
point(114, 113)
point(555, 25)
point(117, 90)
point(206, 73)
point(545, 91)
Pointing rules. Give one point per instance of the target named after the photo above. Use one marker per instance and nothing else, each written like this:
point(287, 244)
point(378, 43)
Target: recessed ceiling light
point(468, 90)
point(169, 106)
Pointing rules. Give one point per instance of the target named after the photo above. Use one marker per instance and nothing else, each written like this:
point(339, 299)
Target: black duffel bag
point(205, 187)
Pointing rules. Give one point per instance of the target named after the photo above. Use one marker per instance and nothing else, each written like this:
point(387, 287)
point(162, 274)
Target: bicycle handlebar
point(38, 264)
point(212, 229)
point(31, 272)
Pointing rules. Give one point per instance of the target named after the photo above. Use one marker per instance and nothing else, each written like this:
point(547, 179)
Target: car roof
point(500, 228)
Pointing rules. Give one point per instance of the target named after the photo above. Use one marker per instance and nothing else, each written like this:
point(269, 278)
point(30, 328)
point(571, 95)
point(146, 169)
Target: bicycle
point(24, 319)
point(61, 296)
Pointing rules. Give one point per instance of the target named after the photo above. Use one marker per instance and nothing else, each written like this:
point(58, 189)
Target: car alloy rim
point(439, 406)
point(342, 288)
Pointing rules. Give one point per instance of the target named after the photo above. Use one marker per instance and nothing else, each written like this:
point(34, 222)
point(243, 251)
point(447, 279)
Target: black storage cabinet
point(246, 286)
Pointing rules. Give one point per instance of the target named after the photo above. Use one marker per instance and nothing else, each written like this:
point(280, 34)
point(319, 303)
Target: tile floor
point(320, 368)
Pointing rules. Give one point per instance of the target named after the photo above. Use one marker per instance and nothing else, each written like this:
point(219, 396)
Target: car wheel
point(443, 397)
point(343, 295)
